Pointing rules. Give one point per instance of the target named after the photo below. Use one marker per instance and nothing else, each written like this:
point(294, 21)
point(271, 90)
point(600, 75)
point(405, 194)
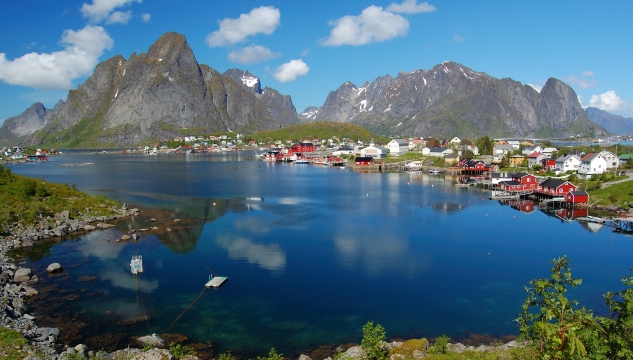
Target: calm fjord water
point(312, 253)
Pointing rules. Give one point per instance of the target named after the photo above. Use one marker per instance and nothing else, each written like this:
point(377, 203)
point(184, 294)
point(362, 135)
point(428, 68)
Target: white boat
point(434, 171)
point(136, 265)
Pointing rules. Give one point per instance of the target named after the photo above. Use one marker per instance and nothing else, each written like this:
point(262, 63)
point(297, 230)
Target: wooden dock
point(216, 281)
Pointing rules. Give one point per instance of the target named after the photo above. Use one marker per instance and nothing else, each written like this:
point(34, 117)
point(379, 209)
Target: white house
point(592, 164)
point(515, 144)
point(398, 146)
point(472, 148)
point(456, 141)
point(612, 160)
point(548, 151)
point(501, 149)
point(531, 149)
point(568, 162)
point(437, 151)
point(417, 144)
point(375, 151)
point(535, 158)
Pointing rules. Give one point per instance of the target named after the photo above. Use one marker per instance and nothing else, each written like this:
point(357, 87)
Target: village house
point(398, 146)
point(515, 144)
point(455, 141)
point(531, 149)
point(592, 164)
point(549, 151)
point(501, 149)
point(577, 197)
point(519, 182)
point(436, 151)
point(364, 161)
point(555, 187)
point(568, 163)
point(472, 148)
point(374, 151)
point(516, 160)
point(451, 159)
point(613, 162)
point(417, 144)
point(535, 159)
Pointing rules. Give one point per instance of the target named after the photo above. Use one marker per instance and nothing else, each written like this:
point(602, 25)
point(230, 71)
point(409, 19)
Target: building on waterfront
point(398, 146)
point(375, 151)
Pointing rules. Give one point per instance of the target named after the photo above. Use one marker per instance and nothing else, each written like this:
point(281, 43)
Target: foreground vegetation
point(27, 200)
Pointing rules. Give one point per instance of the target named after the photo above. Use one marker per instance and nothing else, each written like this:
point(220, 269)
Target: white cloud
point(103, 10)
point(587, 73)
point(582, 82)
point(291, 70)
point(264, 19)
point(372, 25)
point(305, 52)
point(457, 39)
point(411, 7)
point(57, 70)
point(119, 17)
point(610, 101)
point(252, 54)
point(146, 18)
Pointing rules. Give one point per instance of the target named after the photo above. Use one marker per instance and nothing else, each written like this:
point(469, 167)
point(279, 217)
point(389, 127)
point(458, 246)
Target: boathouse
point(555, 187)
point(364, 161)
point(577, 197)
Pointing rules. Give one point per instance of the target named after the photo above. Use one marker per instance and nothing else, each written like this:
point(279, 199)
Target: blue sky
point(307, 48)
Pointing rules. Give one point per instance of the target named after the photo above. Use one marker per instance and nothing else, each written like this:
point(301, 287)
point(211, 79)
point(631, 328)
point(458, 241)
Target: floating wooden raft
point(216, 281)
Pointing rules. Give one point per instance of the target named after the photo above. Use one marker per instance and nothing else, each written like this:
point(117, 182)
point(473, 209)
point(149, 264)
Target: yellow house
point(516, 160)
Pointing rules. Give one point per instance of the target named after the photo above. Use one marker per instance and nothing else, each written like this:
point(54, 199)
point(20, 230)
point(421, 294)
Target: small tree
point(373, 339)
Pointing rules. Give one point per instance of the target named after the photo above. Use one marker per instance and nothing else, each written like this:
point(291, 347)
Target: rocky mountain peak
point(246, 79)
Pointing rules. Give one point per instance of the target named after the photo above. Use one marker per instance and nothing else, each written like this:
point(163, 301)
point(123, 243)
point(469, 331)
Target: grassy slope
point(26, 199)
point(321, 130)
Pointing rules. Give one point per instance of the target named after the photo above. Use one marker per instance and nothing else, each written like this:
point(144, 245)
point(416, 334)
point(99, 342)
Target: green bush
point(272, 355)
point(439, 346)
point(179, 351)
point(373, 339)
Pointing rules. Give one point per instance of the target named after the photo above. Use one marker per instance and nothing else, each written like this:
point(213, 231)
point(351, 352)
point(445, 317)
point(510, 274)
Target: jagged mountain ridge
point(615, 124)
point(278, 105)
point(453, 100)
point(16, 129)
point(159, 95)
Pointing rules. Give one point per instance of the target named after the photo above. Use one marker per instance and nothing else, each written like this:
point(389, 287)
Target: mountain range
point(615, 124)
point(453, 100)
point(166, 93)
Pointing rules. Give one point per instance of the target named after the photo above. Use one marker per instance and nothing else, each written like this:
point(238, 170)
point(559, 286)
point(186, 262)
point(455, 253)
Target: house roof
point(438, 149)
point(579, 193)
point(626, 156)
point(451, 156)
point(564, 158)
point(535, 155)
point(553, 183)
point(364, 158)
point(503, 147)
point(591, 157)
point(511, 182)
point(401, 141)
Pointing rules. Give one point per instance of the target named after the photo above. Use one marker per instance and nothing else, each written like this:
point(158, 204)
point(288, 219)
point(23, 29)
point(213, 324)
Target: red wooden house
point(577, 197)
point(555, 187)
point(365, 160)
point(301, 147)
point(524, 206)
point(549, 164)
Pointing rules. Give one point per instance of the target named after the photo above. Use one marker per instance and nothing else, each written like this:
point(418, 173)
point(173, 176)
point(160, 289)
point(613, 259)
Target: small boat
point(434, 171)
point(136, 265)
point(215, 281)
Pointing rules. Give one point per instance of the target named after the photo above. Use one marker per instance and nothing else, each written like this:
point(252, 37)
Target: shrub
point(439, 346)
point(373, 339)
point(179, 351)
point(272, 355)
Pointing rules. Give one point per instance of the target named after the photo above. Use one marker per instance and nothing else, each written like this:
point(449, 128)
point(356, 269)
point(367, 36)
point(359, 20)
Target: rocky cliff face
point(453, 100)
point(15, 129)
point(158, 95)
point(615, 124)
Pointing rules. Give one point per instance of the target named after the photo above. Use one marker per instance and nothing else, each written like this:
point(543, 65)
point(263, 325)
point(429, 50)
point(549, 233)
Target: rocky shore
point(19, 284)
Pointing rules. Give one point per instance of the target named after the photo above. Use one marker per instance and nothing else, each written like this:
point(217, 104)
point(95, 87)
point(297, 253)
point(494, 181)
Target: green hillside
point(321, 130)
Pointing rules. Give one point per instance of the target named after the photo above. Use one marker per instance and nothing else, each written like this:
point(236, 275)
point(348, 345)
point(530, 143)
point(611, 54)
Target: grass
point(322, 130)
point(11, 343)
point(26, 200)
